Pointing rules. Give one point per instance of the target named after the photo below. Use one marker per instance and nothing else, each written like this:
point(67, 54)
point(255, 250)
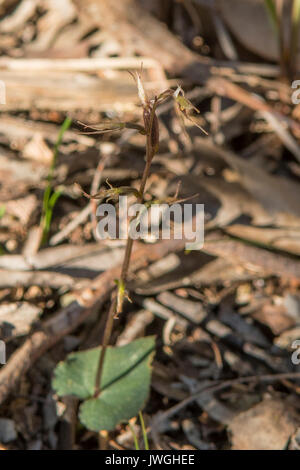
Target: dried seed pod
point(155, 134)
point(152, 127)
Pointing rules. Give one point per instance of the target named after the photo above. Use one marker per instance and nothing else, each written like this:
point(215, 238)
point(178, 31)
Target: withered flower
point(184, 107)
point(149, 114)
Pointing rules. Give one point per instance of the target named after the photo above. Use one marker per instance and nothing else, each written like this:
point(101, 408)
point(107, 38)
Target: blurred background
point(228, 311)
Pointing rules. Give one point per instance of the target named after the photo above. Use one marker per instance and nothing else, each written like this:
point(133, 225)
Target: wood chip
point(266, 426)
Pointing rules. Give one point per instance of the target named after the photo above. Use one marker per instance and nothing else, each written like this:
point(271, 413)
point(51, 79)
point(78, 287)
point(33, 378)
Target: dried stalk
point(115, 308)
point(151, 130)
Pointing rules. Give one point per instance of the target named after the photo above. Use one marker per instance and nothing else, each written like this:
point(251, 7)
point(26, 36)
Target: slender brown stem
point(129, 244)
point(106, 338)
point(126, 262)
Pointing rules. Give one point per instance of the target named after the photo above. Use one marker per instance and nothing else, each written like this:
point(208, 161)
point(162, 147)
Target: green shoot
point(50, 196)
point(50, 199)
point(287, 50)
point(294, 35)
point(271, 9)
point(64, 127)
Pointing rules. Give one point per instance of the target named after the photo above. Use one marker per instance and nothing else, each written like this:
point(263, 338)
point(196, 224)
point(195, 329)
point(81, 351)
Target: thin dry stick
point(87, 210)
point(128, 250)
point(218, 386)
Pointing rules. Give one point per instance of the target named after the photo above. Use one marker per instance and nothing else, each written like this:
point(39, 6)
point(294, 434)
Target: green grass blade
point(49, 213)
point(64, 127)
point(294, 35)
point(49, 198)
point(271, 9)
point(145, 437)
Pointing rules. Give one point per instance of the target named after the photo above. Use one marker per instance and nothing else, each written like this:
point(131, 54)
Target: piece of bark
point(193, 311)
point(162, 312)
point(15, 21)
point(275, 317)
point(135, 327)
point(285, 239)
point(266, 426)
point(55, 280)
point(16, 318)
point(86, 64)
point(19, 130)
point(57, 256)
point(247, 331)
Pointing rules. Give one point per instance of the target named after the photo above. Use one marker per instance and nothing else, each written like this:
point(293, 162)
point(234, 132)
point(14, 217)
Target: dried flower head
point(149, 114)
point(184, 107)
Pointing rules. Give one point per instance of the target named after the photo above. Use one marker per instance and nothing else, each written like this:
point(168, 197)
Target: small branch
point(75, 65)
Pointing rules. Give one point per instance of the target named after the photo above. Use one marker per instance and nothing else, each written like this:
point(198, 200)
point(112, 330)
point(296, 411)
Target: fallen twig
point(216, 386)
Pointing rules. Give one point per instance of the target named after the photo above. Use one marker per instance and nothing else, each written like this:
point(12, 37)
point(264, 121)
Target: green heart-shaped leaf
point(125, 382)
